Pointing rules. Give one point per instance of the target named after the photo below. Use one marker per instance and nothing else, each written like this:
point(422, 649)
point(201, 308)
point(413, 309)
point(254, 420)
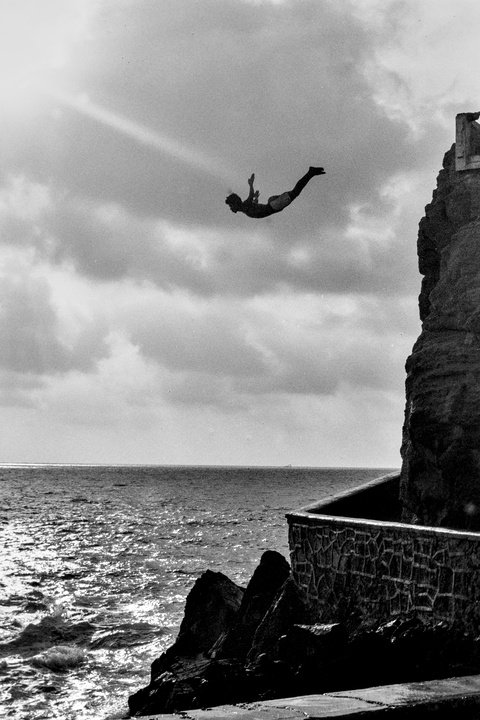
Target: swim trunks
point(278, 202)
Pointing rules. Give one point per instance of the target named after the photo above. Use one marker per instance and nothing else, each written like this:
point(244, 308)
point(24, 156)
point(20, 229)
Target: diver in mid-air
point(275, 204)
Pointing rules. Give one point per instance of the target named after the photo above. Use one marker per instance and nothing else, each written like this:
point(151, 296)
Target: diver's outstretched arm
point(251, 194)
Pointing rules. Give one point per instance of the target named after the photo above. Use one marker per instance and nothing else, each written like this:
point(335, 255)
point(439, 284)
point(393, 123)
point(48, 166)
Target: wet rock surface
point(290, 655)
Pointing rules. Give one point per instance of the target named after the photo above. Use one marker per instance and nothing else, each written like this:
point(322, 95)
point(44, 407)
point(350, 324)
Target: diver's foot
point(316, 170)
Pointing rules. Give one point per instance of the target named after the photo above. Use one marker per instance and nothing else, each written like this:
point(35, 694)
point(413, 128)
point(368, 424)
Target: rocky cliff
point(441, 438)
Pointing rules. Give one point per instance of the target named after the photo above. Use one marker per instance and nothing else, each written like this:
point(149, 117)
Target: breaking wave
point(60, 658)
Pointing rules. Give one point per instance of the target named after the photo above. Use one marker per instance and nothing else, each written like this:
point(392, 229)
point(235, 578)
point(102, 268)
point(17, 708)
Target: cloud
point(34, 342)
point(115, 209)
point(220, 351)
point(226, 353)
point(418, 70)
point(106, 242)
point(142, 319)
point(263, 87)
point(270, 88)
point(27, 326)
point(18, 389)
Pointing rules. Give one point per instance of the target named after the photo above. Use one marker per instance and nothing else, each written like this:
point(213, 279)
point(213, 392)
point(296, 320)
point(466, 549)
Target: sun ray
point(38, 57)
point(146, 136)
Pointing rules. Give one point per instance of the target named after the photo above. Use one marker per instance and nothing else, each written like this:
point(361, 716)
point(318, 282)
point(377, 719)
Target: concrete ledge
point(435, 698)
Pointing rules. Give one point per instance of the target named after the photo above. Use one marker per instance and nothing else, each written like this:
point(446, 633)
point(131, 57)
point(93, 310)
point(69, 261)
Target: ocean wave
point(109, 545)
point(34, 606)
point(126, 636)
point(50, 631)
point(59, 658)
point(211, 522)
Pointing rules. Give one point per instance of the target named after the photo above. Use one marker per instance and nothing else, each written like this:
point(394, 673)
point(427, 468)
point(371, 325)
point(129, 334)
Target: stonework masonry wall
point(379, 570)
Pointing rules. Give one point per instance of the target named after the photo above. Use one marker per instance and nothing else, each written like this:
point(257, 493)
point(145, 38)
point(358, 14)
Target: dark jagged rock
point(191, 684)
point(205, 665)
point(317, 643)
point(179, 677)
point(314, 655)
point(287, 606)
point(210, 609)
point(287, 654)
point(268, 578)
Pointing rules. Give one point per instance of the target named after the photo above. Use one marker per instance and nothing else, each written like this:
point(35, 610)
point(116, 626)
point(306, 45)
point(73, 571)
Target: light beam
point(145, 136)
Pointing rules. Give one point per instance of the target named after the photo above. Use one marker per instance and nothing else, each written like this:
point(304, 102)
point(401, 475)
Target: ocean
point(96, 563)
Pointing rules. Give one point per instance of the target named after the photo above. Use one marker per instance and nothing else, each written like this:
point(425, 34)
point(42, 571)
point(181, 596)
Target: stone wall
point(378, 570)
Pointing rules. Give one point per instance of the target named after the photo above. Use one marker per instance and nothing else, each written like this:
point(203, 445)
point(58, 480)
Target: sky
point(143, 322)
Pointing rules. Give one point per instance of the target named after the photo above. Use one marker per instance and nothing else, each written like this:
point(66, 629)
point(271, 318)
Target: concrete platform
point(435, 698)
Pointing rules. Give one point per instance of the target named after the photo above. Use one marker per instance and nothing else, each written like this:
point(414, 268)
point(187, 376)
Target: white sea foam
point(60, 658)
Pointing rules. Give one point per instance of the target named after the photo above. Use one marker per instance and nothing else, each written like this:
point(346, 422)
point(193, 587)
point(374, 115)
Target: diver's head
point(234, 202)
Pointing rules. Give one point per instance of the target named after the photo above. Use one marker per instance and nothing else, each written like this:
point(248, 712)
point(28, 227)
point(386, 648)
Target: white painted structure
point(467, 142)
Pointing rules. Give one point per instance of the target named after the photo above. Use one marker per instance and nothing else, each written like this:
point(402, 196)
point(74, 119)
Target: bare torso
point(257, 210)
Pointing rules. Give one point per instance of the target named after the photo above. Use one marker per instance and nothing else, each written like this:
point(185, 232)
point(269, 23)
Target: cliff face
point(441, 437)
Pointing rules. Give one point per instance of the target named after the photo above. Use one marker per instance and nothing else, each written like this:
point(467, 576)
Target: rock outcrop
point(211, 607)
point(441, 439)
point(288, 654)
point(219, 656)
point(261, 591)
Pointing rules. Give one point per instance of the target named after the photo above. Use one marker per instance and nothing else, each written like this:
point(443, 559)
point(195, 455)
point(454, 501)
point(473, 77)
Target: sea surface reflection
point(96, 562)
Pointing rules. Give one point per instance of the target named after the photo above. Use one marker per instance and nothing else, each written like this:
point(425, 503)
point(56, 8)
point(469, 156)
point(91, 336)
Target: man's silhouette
point(275, 204)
